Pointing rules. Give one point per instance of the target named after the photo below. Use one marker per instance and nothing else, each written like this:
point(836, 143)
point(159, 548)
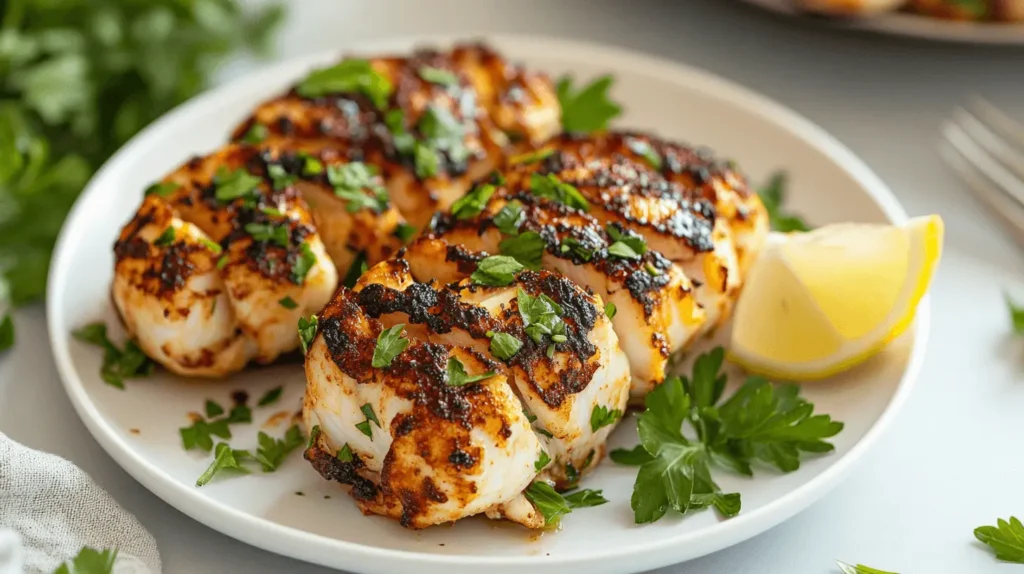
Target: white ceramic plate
point(905, 24)
point(138, 426)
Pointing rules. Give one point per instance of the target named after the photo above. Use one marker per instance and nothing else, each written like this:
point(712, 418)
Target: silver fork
point(985, 147)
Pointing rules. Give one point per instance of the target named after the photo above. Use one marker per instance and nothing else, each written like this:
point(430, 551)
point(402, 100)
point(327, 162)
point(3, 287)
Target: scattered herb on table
point(759, 422)
point(89, 561)
point(118, 364)
point(773, 195)
point(1006, 539)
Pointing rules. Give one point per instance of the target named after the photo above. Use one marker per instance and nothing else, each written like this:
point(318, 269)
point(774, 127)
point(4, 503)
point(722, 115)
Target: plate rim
point(295, 543)
point(905, 25)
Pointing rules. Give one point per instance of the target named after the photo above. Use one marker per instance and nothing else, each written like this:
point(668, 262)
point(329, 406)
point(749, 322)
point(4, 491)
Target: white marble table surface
point(953, 459)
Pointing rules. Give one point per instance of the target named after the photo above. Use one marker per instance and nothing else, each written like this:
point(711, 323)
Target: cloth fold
point(50, 509)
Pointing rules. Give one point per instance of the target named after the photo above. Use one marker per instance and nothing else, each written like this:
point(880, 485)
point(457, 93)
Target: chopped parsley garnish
point(541, 316)
point(471, 204)
point(438, 76)
point(271, 452)
point(425, 160)
point(364, 427)
point(550, 187)
point(1016, 316)
point(404, 232)
point(6, 332)
point(505, 346)
point(527, 248)
point(314, 436)
point(349, 181)
point(859, 569)
point(279, 177)
point(651, 269)
point(255, 134)
point(355, 271)
point(118, 364)
point(287, 302)
point(222, 262)
point(601, 416)
point(307, 331)
point(166, 238)
point(163, 188)
point(773, 195)
point(89, 561)
point(510, 218)
point(231, 185)
point(1006, 539)
point(761, 421)
point(347, 76)
point(239, 414)
point(225, 459)
point(553, 506)
point(542, 461)
point(311, 166)
point(390, 344)
point(531, 157)
point(278, 234)
point(589, 109)
point(626, 244)
point(270, 397)
point(496, 271)
point(345, 454)
point(443, 132)
point(213, 409)
point(211, 245)
point(645, 150)
point(272, 211)
point(574, 246)
point(400, 137)
point(303, 263)
point(610, 310)
point(199, 434)
point(458, 377)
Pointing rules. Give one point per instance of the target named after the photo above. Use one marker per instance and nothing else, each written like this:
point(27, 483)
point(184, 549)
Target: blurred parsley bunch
point(78, 78)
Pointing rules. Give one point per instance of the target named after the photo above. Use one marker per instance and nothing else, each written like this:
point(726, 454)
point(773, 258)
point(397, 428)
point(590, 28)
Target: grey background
point(953, 458)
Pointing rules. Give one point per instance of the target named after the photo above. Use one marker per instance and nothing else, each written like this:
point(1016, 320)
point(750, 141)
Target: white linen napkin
point(50, 509)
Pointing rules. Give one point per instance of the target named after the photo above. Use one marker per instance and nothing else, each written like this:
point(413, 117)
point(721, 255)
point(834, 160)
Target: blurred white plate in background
point(139, 426)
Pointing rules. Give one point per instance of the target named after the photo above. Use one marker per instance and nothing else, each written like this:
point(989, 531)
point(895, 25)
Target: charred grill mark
point(461, 458)
point(330, 468)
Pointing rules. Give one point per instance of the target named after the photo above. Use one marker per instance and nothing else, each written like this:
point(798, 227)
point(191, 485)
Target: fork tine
point(1005, 207)
point(995, 146)
point(997, 121)
point(980, 160)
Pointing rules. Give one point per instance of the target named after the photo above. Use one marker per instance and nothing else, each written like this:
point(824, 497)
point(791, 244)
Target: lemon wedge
point(817, 303)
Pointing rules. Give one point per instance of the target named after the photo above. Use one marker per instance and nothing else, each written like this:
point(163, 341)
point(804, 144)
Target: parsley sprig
point(1006, 539)
point(270, 454)
point(553, 505)
point(773, 195)
point(760, 422)
point(118, 364)
point(589, 109)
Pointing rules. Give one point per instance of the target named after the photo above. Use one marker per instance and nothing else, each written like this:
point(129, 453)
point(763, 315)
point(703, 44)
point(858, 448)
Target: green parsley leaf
point(622, 251)
point(365, 428)
point(271, 452)
point(585, 498)
point(239, 413)
point(255, 134)
point(541, 316)
point(574, 246)
point(211, 245)
point(272, 211)
point(1016, 316)
point(345, 454)
point(610, 310)
point(859, 569)
point(601, 416)
point(496, 271)
point(390, 344)
point(355, 271)
point(349, 181)
point(222, 262)
point(630, 457)
point(425, 159)
point(644, 150)
point(279, 177)
point(635, 242)
point(571, 474)
point(287, 302)
point(213, 410)
point(550, 187)
point(403, 141)
point(438, 76)
point(531, 157)
point(200, 434)
point(773, 195)
point(404, 232)
point(6, 332)
point(118, 364)
point(542, 461)
point(166, 238)
point(505, 346)
point(225, 459)
point(457, 376)
point(471, 204)
point(278, 234)
point(314, 436)
point(347, 76)
point(307, 331)
point(270, 397)
point(510, 218)
point(89, 561)
point(650, 268)
point(311, 166)
point(1006, 539)
point(548, 502)
point(162, 188)
point(527, 248)
point(303, 263)
point(589, 109)
point(231, 185)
